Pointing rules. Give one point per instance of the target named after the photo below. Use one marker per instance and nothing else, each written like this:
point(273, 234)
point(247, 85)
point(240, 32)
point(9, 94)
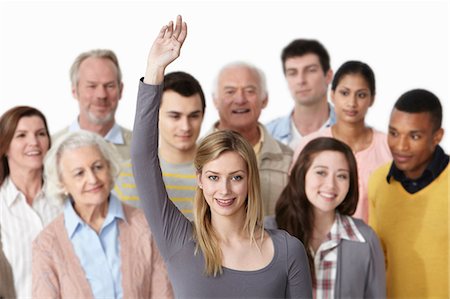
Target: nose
point(225, 187)
point(402, 143)
point(240, 97)
point(100, 91)
point(185, 124)
point(92, 177)
point(352, 100)
point(32, 139)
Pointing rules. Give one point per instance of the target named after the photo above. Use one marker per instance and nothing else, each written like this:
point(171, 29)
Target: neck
point(357, 136)
point(29, 182)
point(93, 215)
point(251, 134)
point(323, 223)
point(308, 119)
point(175, 156)
point(229, 227)
point(102, 129)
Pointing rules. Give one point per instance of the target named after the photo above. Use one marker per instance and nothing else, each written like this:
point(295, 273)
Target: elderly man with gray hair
point(97, 86)
point(240, 94)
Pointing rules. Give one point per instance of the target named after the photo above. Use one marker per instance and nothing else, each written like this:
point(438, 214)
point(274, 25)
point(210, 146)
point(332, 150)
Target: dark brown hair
point(293, 211)
point(8, 125)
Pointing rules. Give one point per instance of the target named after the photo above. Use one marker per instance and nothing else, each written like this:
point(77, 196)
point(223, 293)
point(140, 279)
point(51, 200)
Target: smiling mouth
point(33, 153)
point(240, 111)
point(401, 158)
point(225, 202)
point(327, 195)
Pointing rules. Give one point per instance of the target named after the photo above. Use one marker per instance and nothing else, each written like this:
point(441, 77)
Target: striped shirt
point(180, 181)
point(20, 223)
point(325, 259)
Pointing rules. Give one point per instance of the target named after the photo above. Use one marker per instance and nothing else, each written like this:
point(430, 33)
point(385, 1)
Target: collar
point(72, 221)
point(344, 228)
point(114, 135)
point(437, 164)
point(257, 147)
point(14, 194)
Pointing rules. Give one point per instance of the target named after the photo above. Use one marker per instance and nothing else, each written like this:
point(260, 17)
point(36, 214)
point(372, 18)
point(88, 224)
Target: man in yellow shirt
point(409, 200)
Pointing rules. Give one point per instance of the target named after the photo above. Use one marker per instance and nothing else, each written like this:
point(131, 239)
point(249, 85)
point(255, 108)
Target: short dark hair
point(300, 47)
point(421, 100)
point(184, 84)
point(355, 67)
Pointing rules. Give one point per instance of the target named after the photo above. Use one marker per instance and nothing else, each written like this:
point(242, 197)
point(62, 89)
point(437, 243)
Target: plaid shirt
point(325, 259)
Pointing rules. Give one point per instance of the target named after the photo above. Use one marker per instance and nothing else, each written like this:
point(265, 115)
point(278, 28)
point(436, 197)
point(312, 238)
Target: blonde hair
point(211, 147)
point(74, 140)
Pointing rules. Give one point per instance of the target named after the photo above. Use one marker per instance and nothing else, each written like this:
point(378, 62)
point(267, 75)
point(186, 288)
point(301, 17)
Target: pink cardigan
point(57, 272)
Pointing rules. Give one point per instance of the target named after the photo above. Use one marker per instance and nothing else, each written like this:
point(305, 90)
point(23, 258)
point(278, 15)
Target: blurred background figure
point(24, 207)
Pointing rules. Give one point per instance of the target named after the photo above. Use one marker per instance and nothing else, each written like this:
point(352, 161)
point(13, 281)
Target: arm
point(299, 276)
point(45, 283)
point(376, 278)
point(169, 227)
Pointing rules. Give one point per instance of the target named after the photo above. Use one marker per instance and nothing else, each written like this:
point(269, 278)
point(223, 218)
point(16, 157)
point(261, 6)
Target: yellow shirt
point(413, 230)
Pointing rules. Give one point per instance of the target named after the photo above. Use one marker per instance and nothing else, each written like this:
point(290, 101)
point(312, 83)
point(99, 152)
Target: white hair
point(243, 64)
point(69, 141)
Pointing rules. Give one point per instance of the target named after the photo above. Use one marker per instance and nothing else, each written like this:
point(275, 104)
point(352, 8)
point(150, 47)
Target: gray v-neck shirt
point(286, 276)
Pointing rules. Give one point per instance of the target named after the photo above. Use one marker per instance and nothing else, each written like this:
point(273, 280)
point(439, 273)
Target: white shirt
point(20, 223)
point(114, 135)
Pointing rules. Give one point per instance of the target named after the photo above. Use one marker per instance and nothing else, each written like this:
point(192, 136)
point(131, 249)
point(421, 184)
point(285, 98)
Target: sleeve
point(160, 284)
point(45, 282)
point(376, 274)
point(169, 226)
point(6, 276)
point(372, 206)
point(299, 276)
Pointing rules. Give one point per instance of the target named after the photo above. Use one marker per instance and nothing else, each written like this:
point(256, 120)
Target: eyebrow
point(213, 172)
point(326, 167)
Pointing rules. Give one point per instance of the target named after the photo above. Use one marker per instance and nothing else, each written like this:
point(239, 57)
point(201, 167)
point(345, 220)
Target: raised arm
point(169, 227)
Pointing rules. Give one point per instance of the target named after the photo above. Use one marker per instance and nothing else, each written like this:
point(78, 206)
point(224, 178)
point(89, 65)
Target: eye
point(99, 166)
point(321, 172)
point(20, 135)
point(250, 91)
point(415, 136)
point(393, 133)
point(42, 134)
point(312, 70)
point(174, 116)
point(362, 95)
point(111, 86)
point(342, 176)
point(237, 178)
point(344, 92)
point(78, 173)
point(213, 177)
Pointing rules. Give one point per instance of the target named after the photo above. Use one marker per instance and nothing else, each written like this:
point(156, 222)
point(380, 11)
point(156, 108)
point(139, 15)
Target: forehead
point(226, 162)
point(77, 157)
point(302, 61)
point(173, 101)
point(354, 81)
point(408, 122)
point(330, 159)
point(95, 66)
point(239, 76)
point(30, 122)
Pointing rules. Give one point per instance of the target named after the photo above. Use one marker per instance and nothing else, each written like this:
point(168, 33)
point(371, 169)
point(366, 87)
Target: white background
point(405, 42)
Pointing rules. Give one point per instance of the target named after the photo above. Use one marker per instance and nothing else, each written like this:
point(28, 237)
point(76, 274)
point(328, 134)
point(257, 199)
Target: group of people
point(314, 204)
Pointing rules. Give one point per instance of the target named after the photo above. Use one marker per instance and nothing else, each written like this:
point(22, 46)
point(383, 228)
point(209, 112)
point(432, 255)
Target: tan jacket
point(123, 149)
point(57, 272)
point(274, 160)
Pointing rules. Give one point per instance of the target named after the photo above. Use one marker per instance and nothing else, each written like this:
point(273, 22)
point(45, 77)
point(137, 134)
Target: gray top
point(286, 276)
point(360, 269)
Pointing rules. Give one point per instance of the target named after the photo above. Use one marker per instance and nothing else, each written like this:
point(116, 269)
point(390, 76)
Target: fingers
point(169, 30)
point(177, 31)
point(183, 33)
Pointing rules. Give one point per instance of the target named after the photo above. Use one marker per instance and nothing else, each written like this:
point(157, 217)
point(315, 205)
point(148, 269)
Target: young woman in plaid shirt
point(345, 255)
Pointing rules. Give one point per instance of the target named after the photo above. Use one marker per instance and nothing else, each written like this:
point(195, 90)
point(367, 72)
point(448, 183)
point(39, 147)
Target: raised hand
point(165, 49)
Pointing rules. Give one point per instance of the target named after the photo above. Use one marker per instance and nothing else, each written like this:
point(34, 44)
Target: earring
point(200, 186)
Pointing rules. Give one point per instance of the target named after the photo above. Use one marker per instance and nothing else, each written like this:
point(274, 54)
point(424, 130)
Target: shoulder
point(278, 123)
point(47, 238)
point(366, 231)
point(270, 222)
point(136, 220)
point(380, 173)
point(283, 238)
point(274, 146)
point(126, 133)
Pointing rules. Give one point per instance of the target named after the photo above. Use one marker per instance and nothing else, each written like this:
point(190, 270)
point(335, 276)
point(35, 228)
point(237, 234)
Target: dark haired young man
point(409, 200)
point(306, 66)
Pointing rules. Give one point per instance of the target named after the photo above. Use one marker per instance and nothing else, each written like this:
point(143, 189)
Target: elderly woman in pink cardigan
point(99, 247)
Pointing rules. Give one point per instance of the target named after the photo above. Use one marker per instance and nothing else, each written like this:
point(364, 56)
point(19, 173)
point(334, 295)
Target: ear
point(265, 101)
point(74, 92)
point(120, 90)
point(329, 76)
point(215, 100)
point(372, 100)
point(437, 136)
point(199, 180)
point(332, 93)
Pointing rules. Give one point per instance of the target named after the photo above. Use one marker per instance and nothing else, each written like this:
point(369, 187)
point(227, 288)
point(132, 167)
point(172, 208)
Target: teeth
point(225, 202)
point(327, 195)
point(240, 110)
point(33, 153)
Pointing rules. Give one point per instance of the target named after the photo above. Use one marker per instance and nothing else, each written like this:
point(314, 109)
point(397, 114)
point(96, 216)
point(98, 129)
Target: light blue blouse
point(99, 254)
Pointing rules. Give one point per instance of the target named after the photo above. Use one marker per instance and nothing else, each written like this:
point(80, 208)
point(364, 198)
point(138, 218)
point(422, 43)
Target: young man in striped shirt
point(180, 118)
